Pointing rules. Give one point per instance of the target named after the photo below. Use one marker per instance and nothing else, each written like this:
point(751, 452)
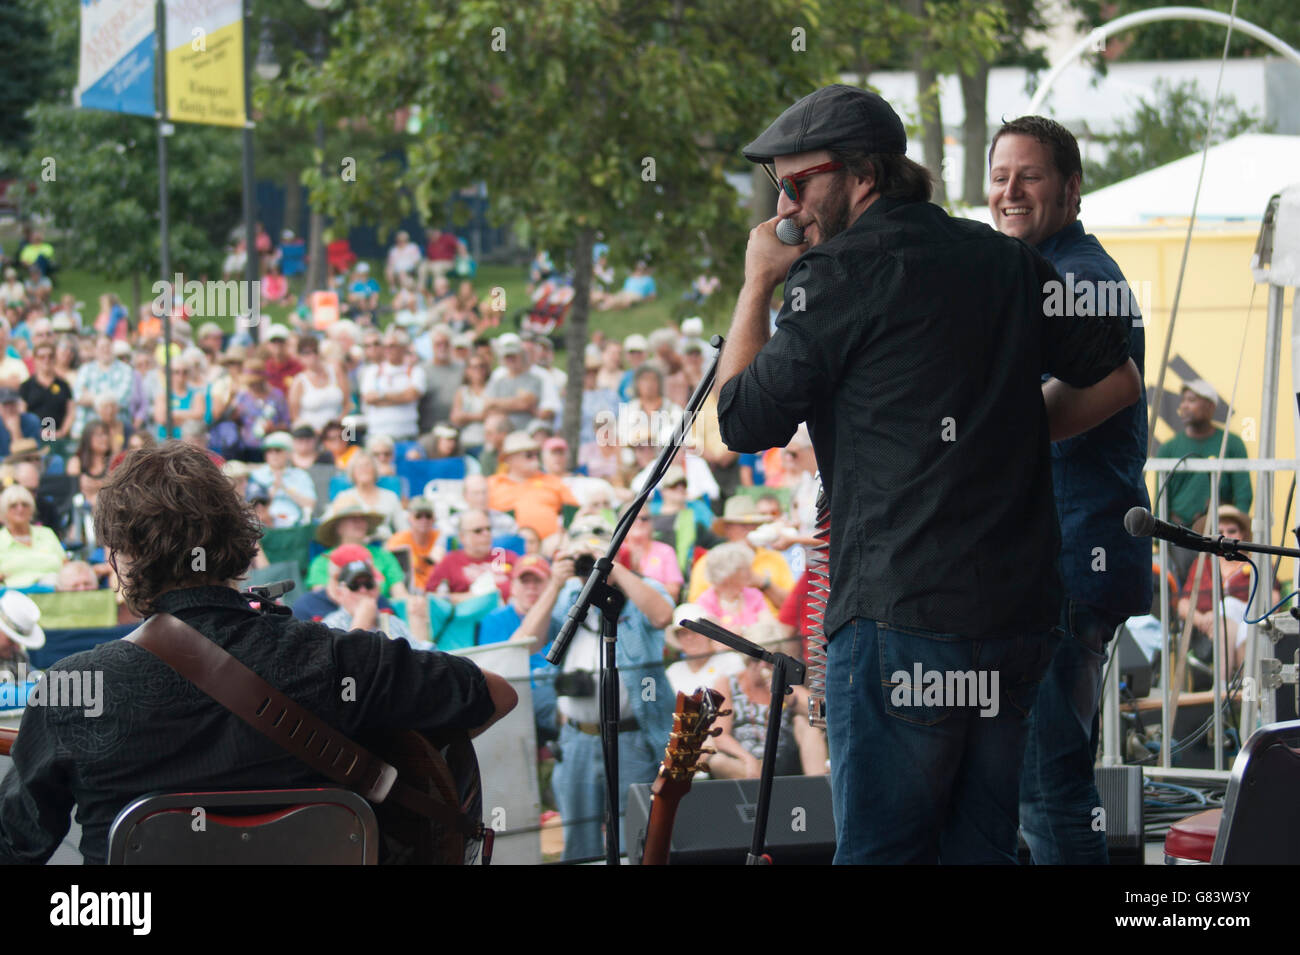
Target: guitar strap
point(293, 728)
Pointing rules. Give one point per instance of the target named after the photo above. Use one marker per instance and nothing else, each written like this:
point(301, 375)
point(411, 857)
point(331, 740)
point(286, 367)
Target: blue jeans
point(923, 779)
point(579, 785)
point(1058, 791)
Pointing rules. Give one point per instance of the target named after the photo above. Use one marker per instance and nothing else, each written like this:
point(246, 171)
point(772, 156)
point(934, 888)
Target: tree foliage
point(1188, 39)
point(1167, 126)
point(24, 50)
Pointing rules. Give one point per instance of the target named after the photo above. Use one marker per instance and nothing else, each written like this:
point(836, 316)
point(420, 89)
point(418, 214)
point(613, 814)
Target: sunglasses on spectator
point(478, 530)
point(383, 455)
point(677, 485)
point(790, 184)
point(364, 582)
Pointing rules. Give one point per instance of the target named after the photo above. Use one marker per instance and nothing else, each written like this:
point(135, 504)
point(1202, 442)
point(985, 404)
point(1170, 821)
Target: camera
point(576, 683)
point(584, 564)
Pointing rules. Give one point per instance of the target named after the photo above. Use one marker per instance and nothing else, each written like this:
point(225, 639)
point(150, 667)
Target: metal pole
point(1263, 519)
point(251, 265)
point(1166, 638)
point(164, 130)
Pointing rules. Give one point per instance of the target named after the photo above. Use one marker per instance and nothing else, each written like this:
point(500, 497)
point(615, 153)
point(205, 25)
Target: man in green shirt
point(1189, 493)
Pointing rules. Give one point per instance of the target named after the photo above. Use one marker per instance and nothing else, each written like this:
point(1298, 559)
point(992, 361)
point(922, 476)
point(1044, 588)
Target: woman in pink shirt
point(731, 599)
point(651, 558)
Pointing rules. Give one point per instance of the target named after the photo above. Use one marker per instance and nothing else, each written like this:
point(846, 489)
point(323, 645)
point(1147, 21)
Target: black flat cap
point(839, 116)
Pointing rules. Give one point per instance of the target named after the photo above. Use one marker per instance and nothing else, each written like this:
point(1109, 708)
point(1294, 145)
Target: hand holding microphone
point(789, 233)
point(773, 247)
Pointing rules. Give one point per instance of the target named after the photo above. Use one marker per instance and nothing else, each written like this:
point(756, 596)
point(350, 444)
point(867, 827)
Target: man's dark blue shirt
point(1097, 476)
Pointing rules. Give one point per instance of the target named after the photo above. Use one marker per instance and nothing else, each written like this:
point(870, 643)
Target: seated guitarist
point(179, 539)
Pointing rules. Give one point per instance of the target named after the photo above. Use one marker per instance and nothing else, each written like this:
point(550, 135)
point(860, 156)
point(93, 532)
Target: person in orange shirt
point(418, 539)
point(536, 498)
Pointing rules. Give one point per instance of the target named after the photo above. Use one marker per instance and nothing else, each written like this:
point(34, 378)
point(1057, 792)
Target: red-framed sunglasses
point(790, 184)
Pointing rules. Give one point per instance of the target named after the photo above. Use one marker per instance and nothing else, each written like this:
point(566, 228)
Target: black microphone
point(1142, 523)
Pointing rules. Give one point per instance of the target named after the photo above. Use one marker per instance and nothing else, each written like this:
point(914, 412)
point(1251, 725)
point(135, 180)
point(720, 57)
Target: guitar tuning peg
point(716, 731)
point(724, 712)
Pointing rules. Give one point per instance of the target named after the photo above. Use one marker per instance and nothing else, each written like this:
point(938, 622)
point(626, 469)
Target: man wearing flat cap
point(913, 344)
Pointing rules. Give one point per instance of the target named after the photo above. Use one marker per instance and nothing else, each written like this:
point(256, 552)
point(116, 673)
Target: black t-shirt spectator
point(51, 402)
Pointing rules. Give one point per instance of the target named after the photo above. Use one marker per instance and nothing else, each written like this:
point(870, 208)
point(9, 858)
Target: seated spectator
point(257, 409)
point(352, 525)
point(292, 493)
point(731, 599)
point(677, 524)
point(419, 540)
point(26, 470)
point(526, 582)
point(650, 409)
point(17, 423)
point(650, 558)
point(444, 442)
point(281, 365)
point(365, 493)
point(748, 695)
point(111, 320)
point(363, 292)
point(275, 287)
point(306, 453)
point(514, 389)
point(383, 450)
point(354, 585)
point(13, 370)
point(465, 313)
point(536, 498)
point(1236, 580)
point(496, 428)
point(476, 567)
point(440, 255)
point(772, 574)
point(76, 575)
point(29, 555)
point(319, 392)
point(469, 404)
point(475, 491)
point(704, 661)
point(335, 440)
point(20, 631)
point(45, 394)
point(12, 291)
point(402, 262)
point(637, 288)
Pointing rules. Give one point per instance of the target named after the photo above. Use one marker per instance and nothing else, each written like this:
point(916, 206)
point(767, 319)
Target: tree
point(96, 175)
point(24, 50)
point(1167, 127)
point(584, 118)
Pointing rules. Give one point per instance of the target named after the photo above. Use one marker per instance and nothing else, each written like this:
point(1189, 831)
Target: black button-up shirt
point(158, 732)
point(916, 360)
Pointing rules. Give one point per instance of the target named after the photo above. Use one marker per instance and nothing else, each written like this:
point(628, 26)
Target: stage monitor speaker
point(1135, 667)
point(1120, 788)
point(715, 822)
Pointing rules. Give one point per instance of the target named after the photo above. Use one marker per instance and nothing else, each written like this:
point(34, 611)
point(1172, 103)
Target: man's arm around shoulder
point(1072, 411)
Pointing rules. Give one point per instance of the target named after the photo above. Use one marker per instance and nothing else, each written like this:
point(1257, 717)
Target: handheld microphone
point(1140, 522)
point(789, 233)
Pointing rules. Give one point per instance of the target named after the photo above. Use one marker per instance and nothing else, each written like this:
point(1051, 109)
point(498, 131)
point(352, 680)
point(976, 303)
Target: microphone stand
point(598, 592)
point(786, 672)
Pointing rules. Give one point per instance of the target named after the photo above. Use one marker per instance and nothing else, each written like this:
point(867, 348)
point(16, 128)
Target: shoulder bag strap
point(291, 727)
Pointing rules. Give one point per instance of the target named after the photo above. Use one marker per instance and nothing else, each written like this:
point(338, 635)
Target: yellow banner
point(205, 62)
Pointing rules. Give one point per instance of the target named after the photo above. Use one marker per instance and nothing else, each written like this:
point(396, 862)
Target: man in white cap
point(634, 348)
point(1189, 494)
point(536, 498)
point(363, 292)
point(392, 388)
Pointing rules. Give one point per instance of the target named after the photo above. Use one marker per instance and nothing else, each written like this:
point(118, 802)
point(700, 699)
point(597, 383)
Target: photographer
point(645, 696)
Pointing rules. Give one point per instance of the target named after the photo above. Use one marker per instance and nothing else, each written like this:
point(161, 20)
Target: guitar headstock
point(692, 727)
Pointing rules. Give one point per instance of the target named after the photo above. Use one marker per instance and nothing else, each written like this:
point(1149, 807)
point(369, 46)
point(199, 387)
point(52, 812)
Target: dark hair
point(158, 508)
point(1059, 140)
point(896, 176)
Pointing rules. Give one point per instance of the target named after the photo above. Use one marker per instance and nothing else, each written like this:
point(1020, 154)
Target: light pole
point(317, 274)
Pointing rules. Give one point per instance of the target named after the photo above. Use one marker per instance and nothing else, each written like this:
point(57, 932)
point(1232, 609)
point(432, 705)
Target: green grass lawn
point(87, 287)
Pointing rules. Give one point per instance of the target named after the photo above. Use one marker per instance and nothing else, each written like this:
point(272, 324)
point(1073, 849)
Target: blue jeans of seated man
point(919, 779)
point(1058, 791)
point(579, 786)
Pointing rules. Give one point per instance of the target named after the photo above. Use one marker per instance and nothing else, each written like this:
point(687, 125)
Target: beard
point(834, 217)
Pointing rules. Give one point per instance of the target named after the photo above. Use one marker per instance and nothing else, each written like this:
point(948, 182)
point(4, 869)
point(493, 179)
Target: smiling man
point(1035, 178)
point(913, 344)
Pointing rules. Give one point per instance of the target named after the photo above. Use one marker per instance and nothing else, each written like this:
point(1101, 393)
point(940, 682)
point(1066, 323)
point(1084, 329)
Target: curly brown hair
point(176, 521)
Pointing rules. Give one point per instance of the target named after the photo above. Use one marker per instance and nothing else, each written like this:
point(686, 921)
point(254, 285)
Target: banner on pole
point(116, 69)
point(205, 62)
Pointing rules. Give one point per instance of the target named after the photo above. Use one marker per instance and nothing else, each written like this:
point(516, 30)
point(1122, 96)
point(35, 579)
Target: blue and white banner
point(117, 56)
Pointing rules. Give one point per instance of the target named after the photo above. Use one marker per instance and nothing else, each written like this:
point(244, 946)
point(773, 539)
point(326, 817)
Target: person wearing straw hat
point(20, 631)
point(771, 574)
point(352, 524)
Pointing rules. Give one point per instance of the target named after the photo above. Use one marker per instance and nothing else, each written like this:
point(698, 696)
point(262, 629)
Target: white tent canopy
point(1240, 177)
